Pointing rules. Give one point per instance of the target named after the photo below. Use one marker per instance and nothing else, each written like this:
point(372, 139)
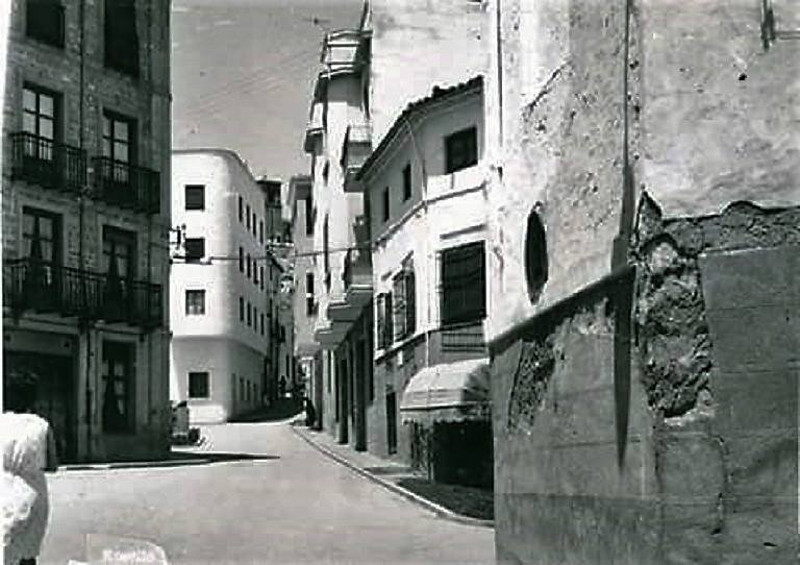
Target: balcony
point(127, 186)
point(45, 288)
point(48, 164)
point(357, 148)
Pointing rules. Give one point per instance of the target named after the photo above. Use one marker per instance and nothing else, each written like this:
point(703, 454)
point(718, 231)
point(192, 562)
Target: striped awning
point(449, 391)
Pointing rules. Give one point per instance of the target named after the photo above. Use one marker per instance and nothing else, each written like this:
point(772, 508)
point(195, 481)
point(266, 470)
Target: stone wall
point(655, 420)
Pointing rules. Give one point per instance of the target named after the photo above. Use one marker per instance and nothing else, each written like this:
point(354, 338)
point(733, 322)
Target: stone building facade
point(221, 287)
point(643, 267)
point(86, 217)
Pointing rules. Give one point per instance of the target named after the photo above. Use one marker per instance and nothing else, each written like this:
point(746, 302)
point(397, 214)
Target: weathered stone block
point(690, 467)
point(745, 339)
point(749, 278)
point(755, 401)
point(763, 465)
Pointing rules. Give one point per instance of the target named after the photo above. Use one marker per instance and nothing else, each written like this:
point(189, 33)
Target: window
point(118, 137)
point(241, 259)
point(119, 263)
point(255, 273)
point(247, 219)
point(261, 317)
point(121, 38)
point(310, 294)
point(241, 209)
point(241, 309)
point(463, 296)
point(309, 216)
point(195, 302)
point(117, 393)
point(198, 385)
point(255, 319)
point(195, 196)
point(40, 118)
point(386, 204)
point(249, 315)
point(261, 231)
point(41, 235)
point(461, 150)
point(41, 240)
point(249, 266)
point(535, 256)
point(407, 182)
point(241, 388)
point(195, 249)
point(44, 21)
point(261, 280)
point(404, 302)
point(384, 320)
point(254, 224)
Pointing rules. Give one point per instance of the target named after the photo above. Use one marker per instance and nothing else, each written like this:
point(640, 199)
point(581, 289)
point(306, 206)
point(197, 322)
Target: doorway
point(54, 377)
point(391, 422)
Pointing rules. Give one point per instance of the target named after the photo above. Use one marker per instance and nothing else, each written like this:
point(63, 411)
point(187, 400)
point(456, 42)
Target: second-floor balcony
point(47, 163)
point(36, 286)
point(127, 186)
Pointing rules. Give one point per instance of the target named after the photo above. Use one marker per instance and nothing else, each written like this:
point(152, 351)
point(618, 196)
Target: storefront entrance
point(55, 394)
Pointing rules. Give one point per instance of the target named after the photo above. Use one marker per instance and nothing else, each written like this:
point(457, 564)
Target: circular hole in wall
point(535, 256)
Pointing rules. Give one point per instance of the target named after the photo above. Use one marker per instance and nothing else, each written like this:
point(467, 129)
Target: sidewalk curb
point(437, 509)
point(132, 465)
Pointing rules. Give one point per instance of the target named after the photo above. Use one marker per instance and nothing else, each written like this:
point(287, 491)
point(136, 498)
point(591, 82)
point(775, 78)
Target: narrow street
point(267, 497)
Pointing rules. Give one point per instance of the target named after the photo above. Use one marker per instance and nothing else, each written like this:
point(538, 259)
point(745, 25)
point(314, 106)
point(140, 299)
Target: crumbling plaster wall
point(709, 469)
point(702, 112)
point(562, 147)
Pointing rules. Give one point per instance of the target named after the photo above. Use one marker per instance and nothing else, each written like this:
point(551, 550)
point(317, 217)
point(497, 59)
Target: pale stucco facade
point(229, 339)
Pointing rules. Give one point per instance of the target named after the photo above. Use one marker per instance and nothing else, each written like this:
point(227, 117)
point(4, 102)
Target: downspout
point(424, 197)
point(81, 229)
point(150, 334)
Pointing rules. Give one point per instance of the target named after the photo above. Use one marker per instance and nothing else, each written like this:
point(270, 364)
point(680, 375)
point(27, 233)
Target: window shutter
point(388, 335)
point(399, 306)
point(411, 313)
point(379, 324)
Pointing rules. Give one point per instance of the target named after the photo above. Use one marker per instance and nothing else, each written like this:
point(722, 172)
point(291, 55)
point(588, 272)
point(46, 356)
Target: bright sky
point(242, 74)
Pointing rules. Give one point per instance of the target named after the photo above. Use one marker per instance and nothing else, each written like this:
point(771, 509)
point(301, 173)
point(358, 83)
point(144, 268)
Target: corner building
point(643, 267)
point(86, 214)
point(424, 183)
point(220, 287)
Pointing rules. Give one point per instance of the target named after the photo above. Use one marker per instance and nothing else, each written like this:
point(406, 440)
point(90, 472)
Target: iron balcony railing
point(47, 163)
point(127, 186)
point(38, 286)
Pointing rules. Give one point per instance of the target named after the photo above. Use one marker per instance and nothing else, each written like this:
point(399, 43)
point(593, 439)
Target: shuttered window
point(463, 284)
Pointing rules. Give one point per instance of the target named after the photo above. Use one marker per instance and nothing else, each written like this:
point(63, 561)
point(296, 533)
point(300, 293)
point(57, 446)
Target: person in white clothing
point(28, 449)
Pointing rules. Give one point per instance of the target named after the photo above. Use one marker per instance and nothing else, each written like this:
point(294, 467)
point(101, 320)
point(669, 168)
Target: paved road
point(282, 502)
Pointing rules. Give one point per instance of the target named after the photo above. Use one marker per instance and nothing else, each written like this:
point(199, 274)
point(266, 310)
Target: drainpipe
point(421, 158)
point(81, 230)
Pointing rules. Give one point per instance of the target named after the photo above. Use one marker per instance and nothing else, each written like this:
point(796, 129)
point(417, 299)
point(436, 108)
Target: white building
point(219, 292)
point(428, 206)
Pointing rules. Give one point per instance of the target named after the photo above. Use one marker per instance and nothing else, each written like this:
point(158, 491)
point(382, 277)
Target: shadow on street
point(281, 409)
point(179, 457)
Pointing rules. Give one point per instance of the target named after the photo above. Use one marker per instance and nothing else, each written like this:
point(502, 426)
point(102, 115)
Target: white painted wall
point(225, 178)
point(450, 212)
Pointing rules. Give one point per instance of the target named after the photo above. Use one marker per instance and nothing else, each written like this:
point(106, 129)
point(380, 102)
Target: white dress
point(23, 488)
